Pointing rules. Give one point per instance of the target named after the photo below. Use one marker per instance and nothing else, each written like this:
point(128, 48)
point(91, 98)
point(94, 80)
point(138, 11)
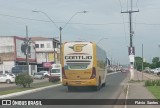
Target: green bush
point(148, 83)
point(152, 83)
point(24, 80)
point(157, 82)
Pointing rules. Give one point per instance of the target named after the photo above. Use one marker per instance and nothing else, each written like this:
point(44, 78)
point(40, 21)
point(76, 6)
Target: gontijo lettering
point(78, 57)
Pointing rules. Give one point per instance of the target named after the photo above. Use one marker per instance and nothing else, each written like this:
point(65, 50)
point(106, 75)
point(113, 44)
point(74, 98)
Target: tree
point(145, 64)
point(138, 63)
point(155, 63)
point(155, 60)
point(158, 64)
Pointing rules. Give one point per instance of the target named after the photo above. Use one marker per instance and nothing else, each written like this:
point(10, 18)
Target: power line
point(148, 24)
point(95, 24)
point(23, 18)
point(55, 22)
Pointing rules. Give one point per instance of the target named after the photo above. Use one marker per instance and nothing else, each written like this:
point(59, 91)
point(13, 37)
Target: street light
point(60, 28)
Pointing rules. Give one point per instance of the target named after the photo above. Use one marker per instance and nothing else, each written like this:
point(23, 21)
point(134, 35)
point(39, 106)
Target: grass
point(33, 86)
point(155, 90)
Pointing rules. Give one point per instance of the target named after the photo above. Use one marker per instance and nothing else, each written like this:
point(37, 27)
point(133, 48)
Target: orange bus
point(83, 64)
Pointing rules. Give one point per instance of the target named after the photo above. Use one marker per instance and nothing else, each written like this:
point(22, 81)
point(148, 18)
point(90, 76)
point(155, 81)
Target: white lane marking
point(112, 73)
point(125, 106)
point(27, 91)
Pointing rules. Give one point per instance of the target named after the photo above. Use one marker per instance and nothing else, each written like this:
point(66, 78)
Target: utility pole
point(54, 46)
point(27, 44)
point(131, 48)
point(60, 36)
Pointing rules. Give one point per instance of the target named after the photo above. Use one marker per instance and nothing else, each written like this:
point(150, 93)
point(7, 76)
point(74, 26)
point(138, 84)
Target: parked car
point(158, 73)
point(38, 75)
point(8, 78)
point(147, 70)
point(156, 70)
point(45, 73)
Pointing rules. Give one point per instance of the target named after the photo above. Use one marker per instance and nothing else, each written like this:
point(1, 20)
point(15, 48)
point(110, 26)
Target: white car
point(156, 70)
point(38, 75)
point(45, 73)
point(8, 78)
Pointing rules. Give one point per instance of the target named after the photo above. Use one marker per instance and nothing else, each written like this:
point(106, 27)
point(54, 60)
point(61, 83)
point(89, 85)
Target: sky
point(103, 23)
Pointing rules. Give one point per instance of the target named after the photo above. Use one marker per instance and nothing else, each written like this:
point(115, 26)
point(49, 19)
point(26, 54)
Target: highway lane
point(114, 85)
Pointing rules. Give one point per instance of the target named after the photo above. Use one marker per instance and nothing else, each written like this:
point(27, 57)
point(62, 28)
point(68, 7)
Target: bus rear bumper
point(90, 82)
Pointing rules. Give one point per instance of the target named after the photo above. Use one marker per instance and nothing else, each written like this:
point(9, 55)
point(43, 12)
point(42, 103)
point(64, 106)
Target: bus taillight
point(63, 73)
point(93, 73)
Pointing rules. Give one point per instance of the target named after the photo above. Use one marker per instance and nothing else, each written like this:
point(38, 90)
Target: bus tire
point(104, 84)
point(97, 88)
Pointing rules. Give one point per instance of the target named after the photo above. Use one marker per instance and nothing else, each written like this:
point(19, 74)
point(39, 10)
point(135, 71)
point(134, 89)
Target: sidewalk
point(137, 90)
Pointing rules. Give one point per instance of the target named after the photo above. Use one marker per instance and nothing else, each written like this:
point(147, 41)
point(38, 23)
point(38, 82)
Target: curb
point(27, 91)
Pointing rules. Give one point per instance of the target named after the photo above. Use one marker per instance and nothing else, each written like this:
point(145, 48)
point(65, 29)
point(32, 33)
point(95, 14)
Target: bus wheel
point(97, 88)
point(104, 84)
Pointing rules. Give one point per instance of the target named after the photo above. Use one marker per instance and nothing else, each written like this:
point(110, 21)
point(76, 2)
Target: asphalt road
point(114, 85)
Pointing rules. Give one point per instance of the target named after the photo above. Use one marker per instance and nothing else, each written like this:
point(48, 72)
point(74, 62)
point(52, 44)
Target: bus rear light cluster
point(63, 73)
point(93, 73)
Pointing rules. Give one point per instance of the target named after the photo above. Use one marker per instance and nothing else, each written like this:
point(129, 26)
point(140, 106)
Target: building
point(13, 53)
point(47, 51)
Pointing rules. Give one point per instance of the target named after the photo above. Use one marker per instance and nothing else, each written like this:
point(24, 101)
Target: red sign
point(47, 64)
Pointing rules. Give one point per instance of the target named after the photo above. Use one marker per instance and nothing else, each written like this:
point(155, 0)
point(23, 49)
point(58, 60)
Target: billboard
point(6, 48)
point(47, 64)
point(21, 52)
point(51, 57)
